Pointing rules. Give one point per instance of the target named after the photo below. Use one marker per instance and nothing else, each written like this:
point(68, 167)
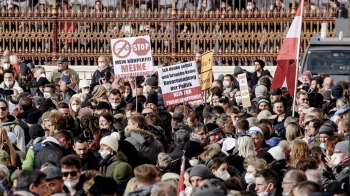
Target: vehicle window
point(332, 62)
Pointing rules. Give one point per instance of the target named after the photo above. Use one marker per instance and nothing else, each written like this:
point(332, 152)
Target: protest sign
point(243, 86)
point(132, 56)
point(180, 83)
point(207, 70)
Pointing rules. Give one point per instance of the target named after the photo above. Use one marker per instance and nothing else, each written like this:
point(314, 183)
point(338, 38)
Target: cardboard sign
point(243, 86)
point(207, 70)
point(180, 83)
point(132, 56)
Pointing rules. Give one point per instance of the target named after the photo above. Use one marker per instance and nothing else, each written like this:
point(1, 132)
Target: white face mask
point(43, 75)
point(234, 122)
point(114, 105)
point(224, 175)
point(5, 66)
point(144, 88)
point(335, 159)
point(47, 95)
point(239, 100)
point(102, 65)
point(249, 7)
point(85, 91)
point(194, 162)
point(126, 95)
point(8, 83)
point(249, 178)
point(71, 184)
point(265, 193)
point(215, 104)
point(286, 194)
point(75, 108)
point(226, 84)
point(322, 145)
point(104, 153)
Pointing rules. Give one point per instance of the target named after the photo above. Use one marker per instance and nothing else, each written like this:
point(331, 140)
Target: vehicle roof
point(330, 42)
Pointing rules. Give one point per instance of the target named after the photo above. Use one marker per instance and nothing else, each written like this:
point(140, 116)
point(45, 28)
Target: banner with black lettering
point(180, 83)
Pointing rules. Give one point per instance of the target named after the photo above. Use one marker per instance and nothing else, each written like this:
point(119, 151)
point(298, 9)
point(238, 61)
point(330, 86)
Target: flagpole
point(297, 59)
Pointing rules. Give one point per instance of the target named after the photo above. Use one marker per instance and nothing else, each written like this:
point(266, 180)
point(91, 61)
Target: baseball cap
point(66, 79)
point(255, 131)
point(52, 173)
point(178, 116)
point(103, 105)
point(62, 59)
point(265, 114)
point(276, 91)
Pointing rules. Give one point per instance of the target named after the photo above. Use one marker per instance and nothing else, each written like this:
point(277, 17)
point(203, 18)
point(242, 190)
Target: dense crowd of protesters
point(61, 135)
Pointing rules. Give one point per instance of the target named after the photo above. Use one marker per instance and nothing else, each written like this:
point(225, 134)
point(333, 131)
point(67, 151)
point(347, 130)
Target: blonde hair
point(90, 175)
point(249, 159)
point(308, 118)
point(293, 131)
point(4, 140)
point(71, 112)
point(164, 161)
point(245, 147)
point(298, 150)
point(13, 59)
point(258, 164)
point(130, 186)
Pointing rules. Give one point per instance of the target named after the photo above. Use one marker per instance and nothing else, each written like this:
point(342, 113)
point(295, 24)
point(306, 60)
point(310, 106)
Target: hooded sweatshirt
point(12, 125)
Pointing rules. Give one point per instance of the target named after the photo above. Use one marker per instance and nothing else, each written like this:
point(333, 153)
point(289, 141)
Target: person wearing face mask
point(74, 107)
point(251, 6)
point(72, 178)
point(116, 101)
point(194, 152)
point(102, 66)
point(266, 183)
point(114, 163)
point(128, 92)
point(219, 168)
point(84, 87)
point(62, 64)
point(65, 89)
point(9, 80)
point(215, 99)
point(340, 161)
point(228, 83)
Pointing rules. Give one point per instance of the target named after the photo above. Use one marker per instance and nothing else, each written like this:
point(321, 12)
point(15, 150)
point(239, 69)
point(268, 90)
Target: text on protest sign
point(206, 70)
point(180, 83)
point(132, 56)
point(243, 86)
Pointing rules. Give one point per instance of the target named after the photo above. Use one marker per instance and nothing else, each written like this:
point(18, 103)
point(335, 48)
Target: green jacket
point(56, 74)
point(119, 169)
point(28, 163)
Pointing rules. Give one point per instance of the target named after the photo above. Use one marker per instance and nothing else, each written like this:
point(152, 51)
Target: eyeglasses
point(72, 173)
point(145, 114)
point(305, 99)
point(254, 132)
point(3, 108)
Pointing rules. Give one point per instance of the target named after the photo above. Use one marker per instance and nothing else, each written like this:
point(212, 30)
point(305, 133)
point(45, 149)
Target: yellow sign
point(206, 70)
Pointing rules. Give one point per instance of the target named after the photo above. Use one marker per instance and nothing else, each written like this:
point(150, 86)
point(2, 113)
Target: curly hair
point(299, 149)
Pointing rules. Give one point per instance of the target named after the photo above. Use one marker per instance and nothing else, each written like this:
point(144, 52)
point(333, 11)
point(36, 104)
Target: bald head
point(328, 83)
point(314, 176)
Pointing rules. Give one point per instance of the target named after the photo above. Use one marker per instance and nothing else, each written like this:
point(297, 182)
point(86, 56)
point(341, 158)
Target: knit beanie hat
point(98, 91)
point(278, 151)
point(343, 147)
point(36, 131)
point(193, 149)
point(201, 171)
point(326, 129)
point(260, 90)
point(337, 91)
point(152, 98)
point(111, 141)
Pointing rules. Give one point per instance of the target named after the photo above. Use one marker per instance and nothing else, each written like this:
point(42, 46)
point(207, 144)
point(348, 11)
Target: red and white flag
point(181, 185)
point(289, 53)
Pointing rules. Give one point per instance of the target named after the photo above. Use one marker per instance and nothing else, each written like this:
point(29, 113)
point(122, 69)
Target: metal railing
point(82, 32)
